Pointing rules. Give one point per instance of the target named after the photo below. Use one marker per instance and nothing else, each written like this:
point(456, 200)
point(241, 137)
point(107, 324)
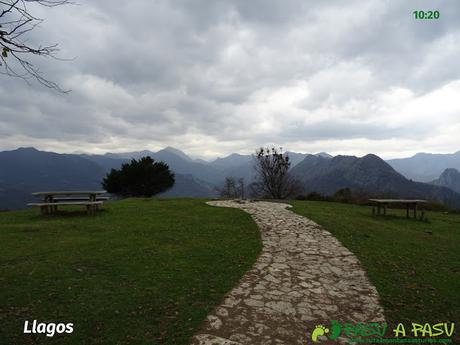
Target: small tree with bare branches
point(15, 22)
point(272, 175)
point(232, 188)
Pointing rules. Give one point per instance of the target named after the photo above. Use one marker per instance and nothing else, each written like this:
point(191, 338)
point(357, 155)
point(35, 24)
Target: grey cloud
point(163, 72)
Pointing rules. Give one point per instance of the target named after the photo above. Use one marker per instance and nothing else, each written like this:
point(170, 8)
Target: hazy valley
point(26, 170)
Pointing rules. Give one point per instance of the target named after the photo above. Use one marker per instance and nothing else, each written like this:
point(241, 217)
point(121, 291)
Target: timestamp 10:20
point(426, 14)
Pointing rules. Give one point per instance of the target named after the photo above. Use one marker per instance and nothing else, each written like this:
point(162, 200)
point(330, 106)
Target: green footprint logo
point(336, 329)
point(319, 330)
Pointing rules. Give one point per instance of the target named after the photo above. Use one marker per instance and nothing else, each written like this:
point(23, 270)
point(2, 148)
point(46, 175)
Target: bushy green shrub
point(143, 177)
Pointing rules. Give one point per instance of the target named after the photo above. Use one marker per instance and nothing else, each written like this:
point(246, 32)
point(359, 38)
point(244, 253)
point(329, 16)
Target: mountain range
point(28, 170)
point(426, 167)
point(369, 174)
point(25, 170)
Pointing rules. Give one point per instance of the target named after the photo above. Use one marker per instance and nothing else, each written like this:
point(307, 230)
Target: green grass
point(416, 274)
point(148, 271)
point(140, 272)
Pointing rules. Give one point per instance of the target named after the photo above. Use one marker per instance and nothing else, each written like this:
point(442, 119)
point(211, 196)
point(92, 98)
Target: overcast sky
point(219, 76)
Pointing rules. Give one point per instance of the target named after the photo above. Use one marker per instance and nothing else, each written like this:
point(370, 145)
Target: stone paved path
point(304, 277)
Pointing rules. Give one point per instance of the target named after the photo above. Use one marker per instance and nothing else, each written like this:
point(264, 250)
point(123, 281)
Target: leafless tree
point(15, 50)
point(272, 175)
point(241, 188)
point(232, 188)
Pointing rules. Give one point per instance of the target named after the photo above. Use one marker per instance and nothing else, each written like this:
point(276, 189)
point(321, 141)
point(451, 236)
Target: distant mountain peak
point(234, 160)
point(177, 152)
point(369, 174)
point(26, 149)
point(450, 171)
point(231, 155)
point(418, 154)
point(449, 174)
point(424, 166)
point(449, 178)
point(173, 149)
point(373, 157)
point(324, 154)
point(372, 162)
point(129, 155)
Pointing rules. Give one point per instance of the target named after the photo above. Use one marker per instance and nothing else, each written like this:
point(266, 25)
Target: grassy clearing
point(141, 272)
point(417, 274)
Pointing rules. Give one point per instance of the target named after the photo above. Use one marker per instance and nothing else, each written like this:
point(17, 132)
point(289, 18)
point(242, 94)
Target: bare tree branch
point(15, 22)
point(272, 175)
point(232, 188)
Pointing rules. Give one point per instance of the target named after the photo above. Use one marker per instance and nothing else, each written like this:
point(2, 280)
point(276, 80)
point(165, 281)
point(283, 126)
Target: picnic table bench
point(52, 199)
point(409, 203)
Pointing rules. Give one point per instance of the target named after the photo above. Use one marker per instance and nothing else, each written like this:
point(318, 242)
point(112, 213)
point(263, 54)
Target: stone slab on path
point(304, 277)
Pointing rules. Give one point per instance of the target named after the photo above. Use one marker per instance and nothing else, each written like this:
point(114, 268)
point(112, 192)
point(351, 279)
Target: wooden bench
point(51, 207)
point(52, 199)
point(409, 204)
point(99, 198)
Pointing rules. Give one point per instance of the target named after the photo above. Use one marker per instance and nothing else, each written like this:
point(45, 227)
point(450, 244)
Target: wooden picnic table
point(53, 199)
point(409, 203)
point(50, 195)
